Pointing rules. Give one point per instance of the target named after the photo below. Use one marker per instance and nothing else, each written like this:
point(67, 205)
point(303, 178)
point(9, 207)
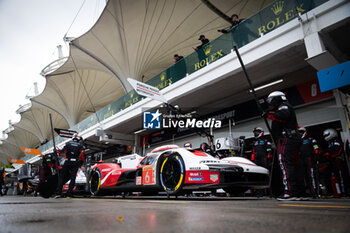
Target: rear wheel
point(172, 174)
point(95, 182)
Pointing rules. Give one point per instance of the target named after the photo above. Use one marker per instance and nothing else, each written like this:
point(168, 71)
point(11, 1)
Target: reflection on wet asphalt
point(158, 214)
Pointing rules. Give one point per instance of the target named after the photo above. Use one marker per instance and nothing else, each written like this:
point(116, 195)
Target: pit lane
point(159, 214)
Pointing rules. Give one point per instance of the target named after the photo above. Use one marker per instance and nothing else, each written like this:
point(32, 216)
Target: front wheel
point(95, 182)
point(172, 174)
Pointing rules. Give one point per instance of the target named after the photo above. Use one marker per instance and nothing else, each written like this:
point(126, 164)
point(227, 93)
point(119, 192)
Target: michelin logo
point(195, 178)
point(151, 120)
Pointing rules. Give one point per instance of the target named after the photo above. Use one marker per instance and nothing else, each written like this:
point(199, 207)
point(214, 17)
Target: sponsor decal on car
point(195, 178)
point(66, 187)
point(138, 180)
point(148, 175)
point(214, 177)
point(209, 161)
point(106, 169)
point(200, 153)
point(116, 173)
point(195, 174)
point(195, 168)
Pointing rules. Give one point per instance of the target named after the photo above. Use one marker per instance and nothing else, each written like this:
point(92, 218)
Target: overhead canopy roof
point(17, 138)
point(36, 121)
point(11, 150)
point(22, 138)
point(77, 93)
point(139, 38)
point(131, 39)
point(4, 158)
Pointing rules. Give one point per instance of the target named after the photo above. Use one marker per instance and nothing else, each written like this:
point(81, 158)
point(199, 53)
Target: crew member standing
point(261, 155)
point(335, 154)
point(261, 149)
point(308, 163)
point(2, 177)
point(347, 154)
point(284, 131)
point(75, 156)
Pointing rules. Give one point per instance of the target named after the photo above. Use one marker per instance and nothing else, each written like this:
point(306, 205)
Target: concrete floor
point(158, 214)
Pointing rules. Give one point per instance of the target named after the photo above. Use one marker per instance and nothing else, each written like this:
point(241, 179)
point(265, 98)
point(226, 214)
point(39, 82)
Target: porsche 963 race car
point(176, 170)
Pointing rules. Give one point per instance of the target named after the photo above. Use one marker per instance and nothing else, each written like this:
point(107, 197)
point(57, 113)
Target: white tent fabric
point(17, 138)
point(21, 138)
point(78, 93)
point(4, 158)
point(10, 150)
point(132, 38)
point(139, 38)
point(36, 121)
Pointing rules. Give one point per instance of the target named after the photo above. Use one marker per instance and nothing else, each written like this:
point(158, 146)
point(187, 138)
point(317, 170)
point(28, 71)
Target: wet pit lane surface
point(159, 214)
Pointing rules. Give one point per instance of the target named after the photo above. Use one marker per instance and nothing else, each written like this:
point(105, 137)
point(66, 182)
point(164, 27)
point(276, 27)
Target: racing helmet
point(188, 145)
point(76, 137)
point(276, 98)
point(328, 134)
point(258, 132)
point(204, 147)
point(302, 132)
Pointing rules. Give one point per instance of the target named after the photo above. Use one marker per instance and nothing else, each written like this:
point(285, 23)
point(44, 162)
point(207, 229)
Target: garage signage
point(65, 132)
point(334, 77)
point(146, 90)
point(17, 161)
point(31, 151)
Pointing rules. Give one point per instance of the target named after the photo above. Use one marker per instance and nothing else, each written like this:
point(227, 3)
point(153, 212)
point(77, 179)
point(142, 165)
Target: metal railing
point(53, 66)
point(23, 108)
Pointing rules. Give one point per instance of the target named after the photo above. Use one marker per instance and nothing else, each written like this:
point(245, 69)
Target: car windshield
point(148, 160)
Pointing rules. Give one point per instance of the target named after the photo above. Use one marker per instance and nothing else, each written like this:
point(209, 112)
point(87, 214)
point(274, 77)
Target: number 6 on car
point(147, 175)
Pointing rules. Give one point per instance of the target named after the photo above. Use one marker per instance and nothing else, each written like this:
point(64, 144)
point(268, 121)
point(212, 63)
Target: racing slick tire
point(172, 173)
point(234, 192)
point(95, 182)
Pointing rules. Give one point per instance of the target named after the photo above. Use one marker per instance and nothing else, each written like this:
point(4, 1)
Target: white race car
point(176, 170)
